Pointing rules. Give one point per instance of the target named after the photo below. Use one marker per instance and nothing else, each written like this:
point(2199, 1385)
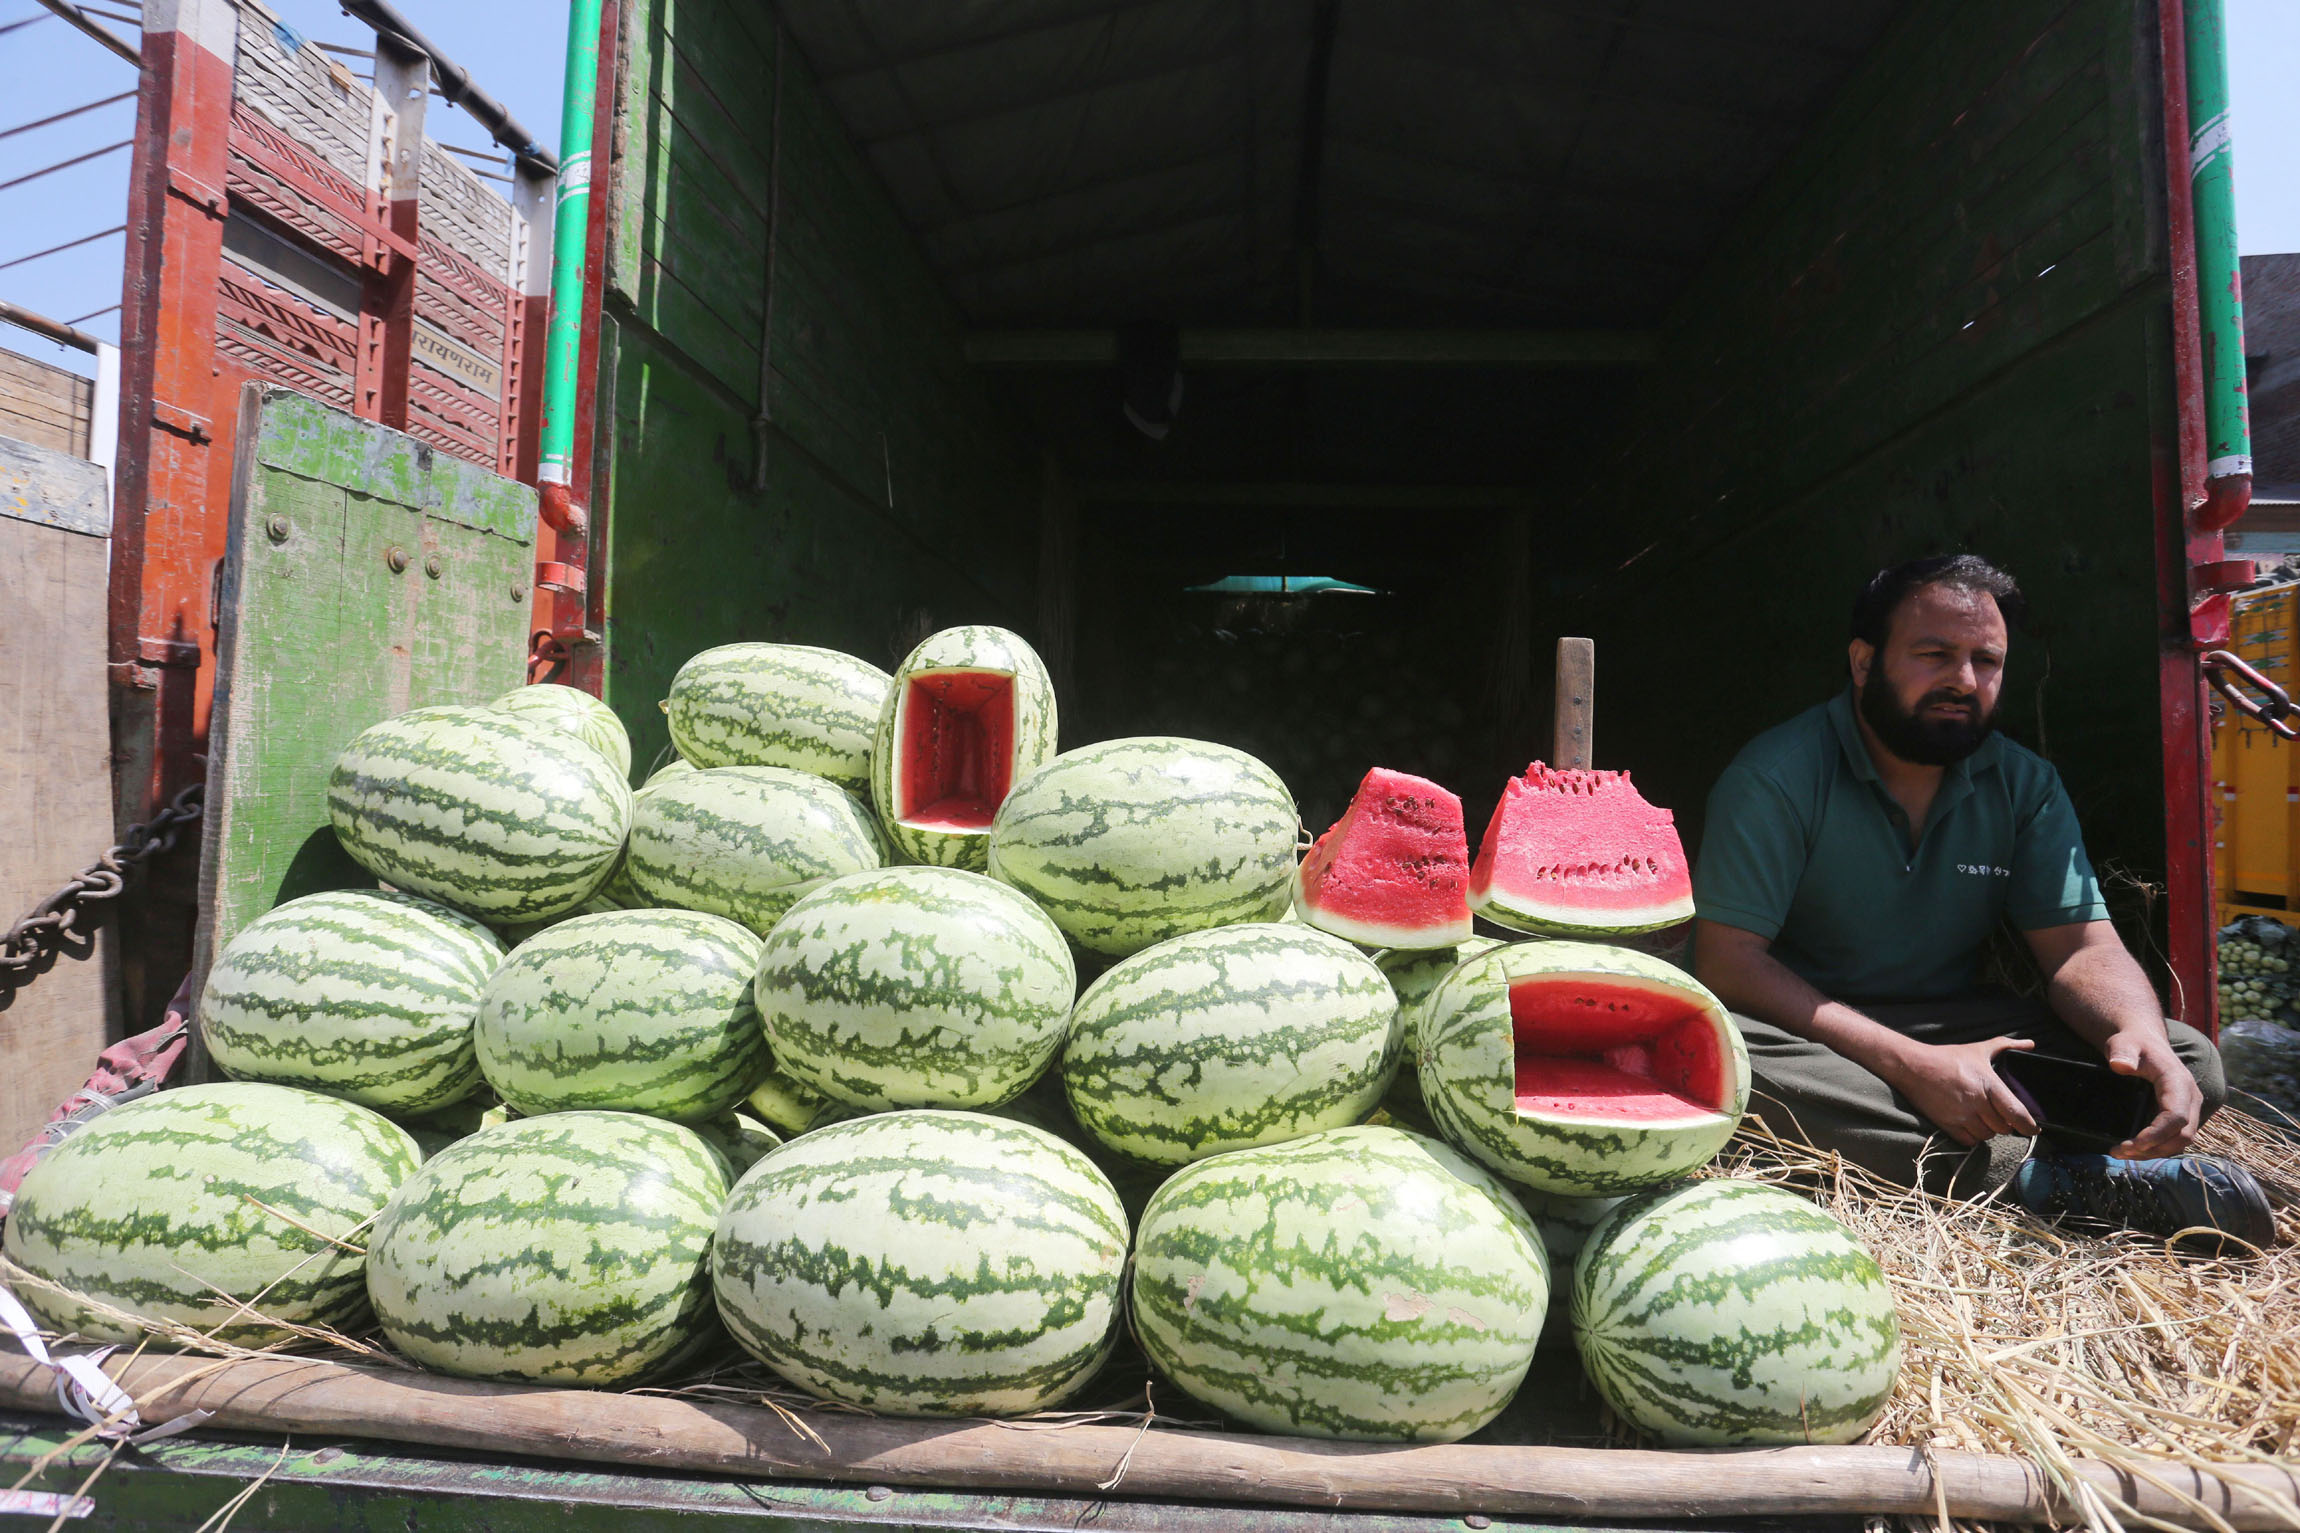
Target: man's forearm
point(1756, 984)
point(2100, 992)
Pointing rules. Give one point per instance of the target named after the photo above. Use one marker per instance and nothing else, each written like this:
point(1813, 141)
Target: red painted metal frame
point(2189, 624)
point(573, 608)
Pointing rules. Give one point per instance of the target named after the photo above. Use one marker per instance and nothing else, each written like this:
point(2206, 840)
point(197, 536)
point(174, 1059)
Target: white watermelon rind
point(975, 647)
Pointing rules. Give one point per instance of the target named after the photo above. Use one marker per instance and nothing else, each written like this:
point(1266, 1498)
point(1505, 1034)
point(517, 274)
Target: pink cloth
point(131, 1068)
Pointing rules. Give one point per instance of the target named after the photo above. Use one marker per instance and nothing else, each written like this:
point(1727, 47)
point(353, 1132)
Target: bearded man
point(1856, 861)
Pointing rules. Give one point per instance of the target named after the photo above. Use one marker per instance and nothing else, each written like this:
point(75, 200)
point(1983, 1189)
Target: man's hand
point(1956, 1085)
point(2180, 1105)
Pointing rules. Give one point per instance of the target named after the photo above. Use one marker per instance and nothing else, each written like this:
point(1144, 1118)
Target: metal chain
point(2272, 707)
point(30, 945)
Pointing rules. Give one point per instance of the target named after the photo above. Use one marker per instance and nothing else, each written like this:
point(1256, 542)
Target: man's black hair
point(1873, 609)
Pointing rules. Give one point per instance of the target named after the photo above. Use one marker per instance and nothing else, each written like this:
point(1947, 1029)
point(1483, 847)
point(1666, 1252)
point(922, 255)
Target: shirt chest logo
point(1983, 870)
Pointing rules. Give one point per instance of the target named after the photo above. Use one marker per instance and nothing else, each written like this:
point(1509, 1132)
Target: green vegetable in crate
point(1220, 1040)
point(746, 842)
point(1581, 1069)
point(359, 993)
point(504, 819)
point(566, 1249)
point(925, 1264)
point(779, 705)
point(576, 711)
point(970, 713)
point(645, 1011)
point(1733, 1313)
point(1359, 1283)
point(178, 1207)
point(1131, 842)
point(915, 987)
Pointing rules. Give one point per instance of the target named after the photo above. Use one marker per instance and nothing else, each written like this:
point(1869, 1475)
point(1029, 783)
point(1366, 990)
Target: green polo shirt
point(1803, 845)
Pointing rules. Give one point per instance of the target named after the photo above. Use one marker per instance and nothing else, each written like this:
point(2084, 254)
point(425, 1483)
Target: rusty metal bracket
point(2273, 708)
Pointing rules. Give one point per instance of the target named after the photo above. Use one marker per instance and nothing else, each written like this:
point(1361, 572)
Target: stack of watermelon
point(853, 915)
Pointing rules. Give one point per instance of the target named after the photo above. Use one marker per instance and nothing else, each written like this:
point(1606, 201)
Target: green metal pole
point(2219, 287)
point(569, 226)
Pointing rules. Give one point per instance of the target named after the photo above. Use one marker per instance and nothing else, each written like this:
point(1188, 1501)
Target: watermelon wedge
point(1580, 853)
point(1394, 869)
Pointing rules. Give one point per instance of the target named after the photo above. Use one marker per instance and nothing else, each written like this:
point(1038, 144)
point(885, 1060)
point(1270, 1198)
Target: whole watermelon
point(791, 1108)
point(1220, 1040)
point(177, 1207)
point(577, 712)
point(1132, 842)
point(362, 994)
point(746, 841)
point(1582, 1069)
point(1732, 1313)
point(1359, 1283)
point(925, 1264)
point(780, 705)
point(504, 819)
point(970, 713)
point(645, 1011)
point(915, 987)
point(566, 1249)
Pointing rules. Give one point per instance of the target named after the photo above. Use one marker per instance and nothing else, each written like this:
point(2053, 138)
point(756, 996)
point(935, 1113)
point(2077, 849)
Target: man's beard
point(1916, 738)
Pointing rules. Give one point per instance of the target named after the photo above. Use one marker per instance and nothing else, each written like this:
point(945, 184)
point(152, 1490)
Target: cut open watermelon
point(1623, 1053)
point(1580, 853)
point(957, 744)
point(1393, 872)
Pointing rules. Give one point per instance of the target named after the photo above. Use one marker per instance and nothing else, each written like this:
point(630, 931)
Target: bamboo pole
point(653, 1432)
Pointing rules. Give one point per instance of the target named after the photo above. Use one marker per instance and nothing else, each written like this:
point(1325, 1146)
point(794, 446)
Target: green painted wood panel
point(1942, 325)
point(319, 637)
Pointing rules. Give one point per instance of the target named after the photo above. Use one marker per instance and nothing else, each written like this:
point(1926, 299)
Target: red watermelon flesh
point(957, 748)
point(1622, 1052)
point(1580, 853)
point(1394, 870)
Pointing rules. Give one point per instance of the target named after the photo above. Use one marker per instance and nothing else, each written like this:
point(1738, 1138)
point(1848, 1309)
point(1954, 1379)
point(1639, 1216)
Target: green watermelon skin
point(1227, 1039)
point(357, 993)
point(1360, 1283)
point(1566, 1223)
point(779, 705)
point(746, 842)
point(575, 711)
point(568, 1249)
point(645, 1011)
point(791, 1108)
point(152, 1209)
point(1131, 842)
point(1035, 726)
point(741, 1141)
point(925, 1264)
point(1414, 972)
point(504, 819)
point(915, 987)
point(1729, 1313)
point(1467, 1075)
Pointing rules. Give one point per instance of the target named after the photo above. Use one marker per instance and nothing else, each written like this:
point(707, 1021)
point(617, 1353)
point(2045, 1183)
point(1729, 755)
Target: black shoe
point(2155, 1197)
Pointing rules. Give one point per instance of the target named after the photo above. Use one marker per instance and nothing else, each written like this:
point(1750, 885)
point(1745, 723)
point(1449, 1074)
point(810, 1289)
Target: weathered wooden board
point(320, 636)
point(55, 769)
point(45, 405)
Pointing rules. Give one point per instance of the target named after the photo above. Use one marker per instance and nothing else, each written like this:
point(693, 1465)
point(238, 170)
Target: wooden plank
point(287, 1395)
point(319, 637)
point(55, 774)
point(52, 489)
point(45, 405)
point(1573, 740)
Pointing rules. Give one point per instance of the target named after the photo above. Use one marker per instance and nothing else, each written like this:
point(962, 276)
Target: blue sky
point(514, 48)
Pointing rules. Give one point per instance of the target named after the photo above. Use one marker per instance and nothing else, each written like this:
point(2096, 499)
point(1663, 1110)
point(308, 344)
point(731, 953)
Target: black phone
point(2080, 1103)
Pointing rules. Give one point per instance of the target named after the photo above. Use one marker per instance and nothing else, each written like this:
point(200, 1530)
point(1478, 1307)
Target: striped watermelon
point(504, 819)
point(677, 766)
point(746, 842)
point(1134, 841)
point(1732, 1313)
point(645, 1011)
point(1246, 1035)
point(567, 1249)
point(790, 1108)
point(1576, 1068)
point(1566, 1223)
point(969, 714)
point(925, 1264)
point(577, 712)
point(435, 1131)
point(1359, 1283)
point(357, 993)
point(741, 1140)
point(181, 1206)
point(915, 987)
point(779, 705)
point(1414, 972)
